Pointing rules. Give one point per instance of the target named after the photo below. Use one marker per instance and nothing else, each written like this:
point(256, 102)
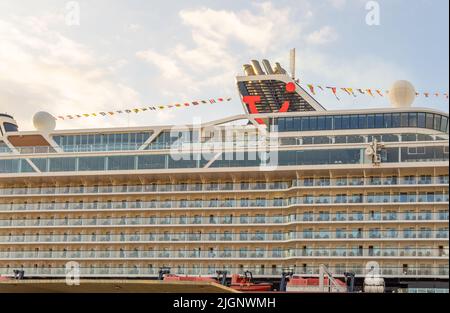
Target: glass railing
point(229, 236)
point(437, 197)
point(150, 271)
point(229, 219)
point(226, 254)
point(169, 188)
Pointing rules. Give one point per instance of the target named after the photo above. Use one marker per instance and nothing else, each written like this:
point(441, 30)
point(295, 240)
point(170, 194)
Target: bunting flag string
point(145, 109)
point(372, 92)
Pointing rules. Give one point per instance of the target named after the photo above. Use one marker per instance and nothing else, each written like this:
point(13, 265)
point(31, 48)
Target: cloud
point(339, 4)
point(322, 36)
point(134, 27)
point(44, 70)
point(220, 39)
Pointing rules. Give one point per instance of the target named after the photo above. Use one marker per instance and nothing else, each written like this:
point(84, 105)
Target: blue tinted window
point(412, 119)
point(421, 121)
point(329, 122)
point(289, 124)
point(10, 127)
point(338, 122)
point(297, 123)
point(371, 121)
point(345, 122)
point(321, 123)
point(430, 121)
point(313, 123)
point(152, 162)
point(437, 122)
point(396, 120)
point(354, 122)
point(281, 124)
point(305, 124)
point(362, 121)
point(388, 120)
point(91, 164)
point(62, 164)
point(444, 124)
point(121, 163)
point(379, 121)
point(404, 120)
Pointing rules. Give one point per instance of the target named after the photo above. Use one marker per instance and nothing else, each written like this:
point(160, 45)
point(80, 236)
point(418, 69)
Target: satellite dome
point(44, 122)
point(402, 94)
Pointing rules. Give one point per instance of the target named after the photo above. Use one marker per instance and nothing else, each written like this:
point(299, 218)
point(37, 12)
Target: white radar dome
point(44, 121)
point(402, 94)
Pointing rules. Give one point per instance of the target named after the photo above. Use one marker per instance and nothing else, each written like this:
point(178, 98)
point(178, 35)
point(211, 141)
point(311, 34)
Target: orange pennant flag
point(369, 91)
point(380, 93)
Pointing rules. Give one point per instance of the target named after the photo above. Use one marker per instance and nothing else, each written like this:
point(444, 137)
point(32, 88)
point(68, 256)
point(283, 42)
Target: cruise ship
point(286, 185)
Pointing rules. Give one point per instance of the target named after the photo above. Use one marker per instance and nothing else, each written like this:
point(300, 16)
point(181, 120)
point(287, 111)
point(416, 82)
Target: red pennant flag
point(220, 99)
point(187, 104)
point(334, 91)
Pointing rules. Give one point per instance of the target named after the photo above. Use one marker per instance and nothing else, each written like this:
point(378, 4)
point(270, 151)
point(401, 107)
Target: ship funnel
point(279, 69)
point(268, 67)
point(248, 70)
point(257, 68)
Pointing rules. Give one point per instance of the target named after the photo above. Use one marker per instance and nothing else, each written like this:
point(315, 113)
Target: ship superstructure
point(284, 190)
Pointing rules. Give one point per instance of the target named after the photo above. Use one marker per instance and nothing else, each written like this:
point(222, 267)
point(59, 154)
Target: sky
point(117, 54)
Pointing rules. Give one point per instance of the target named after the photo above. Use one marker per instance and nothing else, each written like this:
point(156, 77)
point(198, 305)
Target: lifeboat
point(245, 283)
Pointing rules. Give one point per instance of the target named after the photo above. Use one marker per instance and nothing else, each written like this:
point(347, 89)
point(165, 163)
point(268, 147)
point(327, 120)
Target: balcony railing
point(228, 254)
point(256, 186)
point(437, 197)
point(303, 218)
point(374, 234)
point(114, 271)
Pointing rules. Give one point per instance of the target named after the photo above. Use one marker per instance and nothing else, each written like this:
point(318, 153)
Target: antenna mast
point(292, 63)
